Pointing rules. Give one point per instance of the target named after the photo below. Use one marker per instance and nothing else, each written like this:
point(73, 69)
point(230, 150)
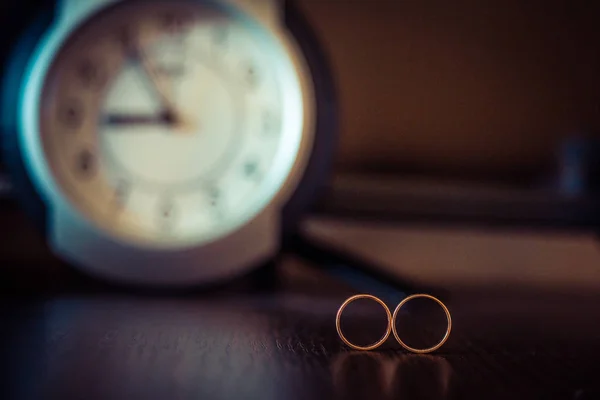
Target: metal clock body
point(168, 141)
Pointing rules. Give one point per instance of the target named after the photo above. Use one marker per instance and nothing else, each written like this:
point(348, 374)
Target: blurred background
point(481, 115)
point(472, 112)
point(465, 110)
point(485, 90)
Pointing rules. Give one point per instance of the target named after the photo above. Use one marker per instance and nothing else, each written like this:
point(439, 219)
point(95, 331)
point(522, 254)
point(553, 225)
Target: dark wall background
point(466, 88)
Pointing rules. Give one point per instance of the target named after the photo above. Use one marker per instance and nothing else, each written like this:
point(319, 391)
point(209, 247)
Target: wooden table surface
point(273, 336)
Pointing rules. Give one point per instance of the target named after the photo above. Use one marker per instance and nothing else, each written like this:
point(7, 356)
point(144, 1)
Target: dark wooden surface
point(272, 336)
point(281, 343)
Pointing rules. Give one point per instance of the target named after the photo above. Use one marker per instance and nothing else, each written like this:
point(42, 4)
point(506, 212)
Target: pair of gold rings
point(391, 319)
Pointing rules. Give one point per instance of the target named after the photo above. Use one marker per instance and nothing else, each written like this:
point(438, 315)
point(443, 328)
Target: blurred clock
point(168, 142)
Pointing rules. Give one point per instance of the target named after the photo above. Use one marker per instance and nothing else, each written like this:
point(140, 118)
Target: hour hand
point(138, 119)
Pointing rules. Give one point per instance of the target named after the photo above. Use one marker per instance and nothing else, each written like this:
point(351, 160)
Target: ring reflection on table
point(387, 376)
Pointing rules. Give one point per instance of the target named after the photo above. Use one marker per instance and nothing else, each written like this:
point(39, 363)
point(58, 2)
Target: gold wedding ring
point(412, 349)
point(387, 331)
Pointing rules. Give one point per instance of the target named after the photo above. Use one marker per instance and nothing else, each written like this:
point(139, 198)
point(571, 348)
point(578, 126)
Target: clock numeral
point(271, 123)
point(172, 24)
point(252, 169)
point(213, 196)
point(220, 35)
point(71, 114)
point(171, 71)
point(166, 214)
point(171, 56)
point(167, 210)
point(127, 38)
point(86, 163)
point(121, 193)
point(92, 75)
point(251, 77)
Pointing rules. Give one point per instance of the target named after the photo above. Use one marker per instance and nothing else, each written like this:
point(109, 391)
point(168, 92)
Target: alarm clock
point(168, 142)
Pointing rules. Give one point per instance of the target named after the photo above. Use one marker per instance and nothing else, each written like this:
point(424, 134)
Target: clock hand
point(159, 85)
point(129, 119)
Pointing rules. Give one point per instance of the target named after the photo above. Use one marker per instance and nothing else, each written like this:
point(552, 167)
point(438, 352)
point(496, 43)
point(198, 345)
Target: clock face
point(170, 123)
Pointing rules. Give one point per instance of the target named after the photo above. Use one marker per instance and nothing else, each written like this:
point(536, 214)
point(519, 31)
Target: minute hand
point(159, 84)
